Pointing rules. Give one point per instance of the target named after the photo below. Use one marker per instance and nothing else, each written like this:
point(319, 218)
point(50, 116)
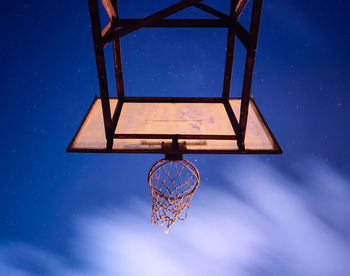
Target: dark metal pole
point(240, 32)
point(234, 123)
point(240, 7)
point(111, 33)
point(229, 54)
point(174, 23)
point(118, 73)
point(101, 69)
point(249, 64)
point(118, 58)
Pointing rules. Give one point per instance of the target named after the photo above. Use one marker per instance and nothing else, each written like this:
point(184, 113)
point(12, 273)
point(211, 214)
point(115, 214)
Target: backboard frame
point(117, 28)
point(175, 138)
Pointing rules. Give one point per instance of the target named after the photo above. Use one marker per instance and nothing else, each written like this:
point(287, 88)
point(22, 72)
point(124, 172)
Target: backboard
point(203, 126)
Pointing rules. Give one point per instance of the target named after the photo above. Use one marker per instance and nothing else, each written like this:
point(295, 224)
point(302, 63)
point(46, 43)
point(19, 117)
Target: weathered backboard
point(205, 127)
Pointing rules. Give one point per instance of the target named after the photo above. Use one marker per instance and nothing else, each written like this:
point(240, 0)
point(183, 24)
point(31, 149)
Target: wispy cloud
point(263, 222)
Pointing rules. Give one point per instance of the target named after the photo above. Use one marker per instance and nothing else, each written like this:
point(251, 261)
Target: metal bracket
point(174, 150)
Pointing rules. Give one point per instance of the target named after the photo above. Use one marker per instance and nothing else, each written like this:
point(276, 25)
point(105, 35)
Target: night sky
point(89, 214)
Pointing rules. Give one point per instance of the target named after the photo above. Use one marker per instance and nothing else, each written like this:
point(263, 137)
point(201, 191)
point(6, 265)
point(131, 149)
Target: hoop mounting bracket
point(174, 150)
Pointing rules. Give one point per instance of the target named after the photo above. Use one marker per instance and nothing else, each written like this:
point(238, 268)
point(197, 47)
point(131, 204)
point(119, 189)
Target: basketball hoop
point(174, 126)
point(172, 184)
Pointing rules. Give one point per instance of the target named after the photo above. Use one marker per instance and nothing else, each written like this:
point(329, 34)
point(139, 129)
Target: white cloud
point(264, 222)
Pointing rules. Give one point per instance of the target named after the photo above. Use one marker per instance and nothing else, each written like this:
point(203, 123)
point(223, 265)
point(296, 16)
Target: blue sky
point(57, 210)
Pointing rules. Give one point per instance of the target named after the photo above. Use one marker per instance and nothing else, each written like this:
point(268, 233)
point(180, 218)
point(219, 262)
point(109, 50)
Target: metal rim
point(187, 164)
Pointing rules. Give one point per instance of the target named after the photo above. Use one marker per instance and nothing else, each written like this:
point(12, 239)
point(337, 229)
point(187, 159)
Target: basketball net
point(172, 184)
